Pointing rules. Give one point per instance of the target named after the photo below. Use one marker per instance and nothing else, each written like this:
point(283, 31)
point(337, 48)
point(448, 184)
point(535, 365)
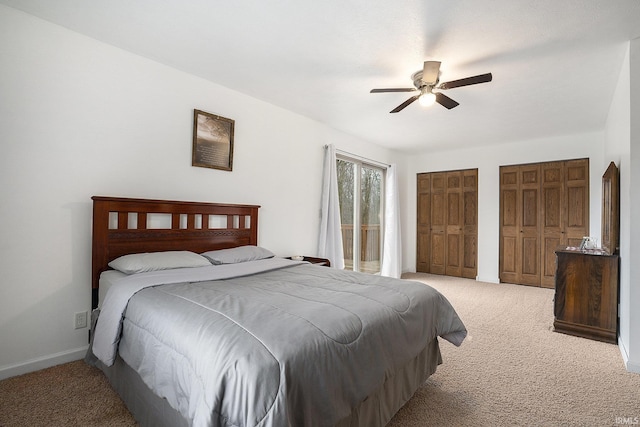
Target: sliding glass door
point(360, 189)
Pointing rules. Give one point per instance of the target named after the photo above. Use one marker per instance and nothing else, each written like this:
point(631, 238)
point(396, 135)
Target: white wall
point(623, 147)
point(488, 161)
point(617, 149)
point(81, 118)
point(633, 361)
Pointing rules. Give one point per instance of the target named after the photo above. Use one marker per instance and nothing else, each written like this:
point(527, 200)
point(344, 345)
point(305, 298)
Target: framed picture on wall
point(212, 141)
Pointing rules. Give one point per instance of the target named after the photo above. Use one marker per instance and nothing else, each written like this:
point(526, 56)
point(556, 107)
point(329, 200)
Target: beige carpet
point(73, 394)
point(512, 370)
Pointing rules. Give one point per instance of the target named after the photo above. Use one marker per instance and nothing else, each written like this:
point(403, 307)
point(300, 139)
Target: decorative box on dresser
point(586, 298)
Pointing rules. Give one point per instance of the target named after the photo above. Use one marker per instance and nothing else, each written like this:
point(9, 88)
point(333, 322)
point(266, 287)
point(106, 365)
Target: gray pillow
point(237, 255)
point(154, 261)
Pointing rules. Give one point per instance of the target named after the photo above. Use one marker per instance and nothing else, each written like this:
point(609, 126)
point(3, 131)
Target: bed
point(245, 338)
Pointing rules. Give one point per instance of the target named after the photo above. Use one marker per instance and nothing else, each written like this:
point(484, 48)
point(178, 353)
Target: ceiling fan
point(428, 79)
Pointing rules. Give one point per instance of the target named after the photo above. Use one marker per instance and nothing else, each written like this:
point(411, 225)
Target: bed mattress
point(107, 279)
point(272, 342)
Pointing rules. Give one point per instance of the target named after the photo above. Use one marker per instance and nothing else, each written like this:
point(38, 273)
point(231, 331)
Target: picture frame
point(610, 225)
point(212, 141)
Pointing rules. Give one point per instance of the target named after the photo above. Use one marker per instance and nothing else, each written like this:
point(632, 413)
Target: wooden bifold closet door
point(447, 223)
point(542, 206)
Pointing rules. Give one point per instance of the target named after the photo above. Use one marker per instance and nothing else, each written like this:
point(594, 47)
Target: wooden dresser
point(586, 298)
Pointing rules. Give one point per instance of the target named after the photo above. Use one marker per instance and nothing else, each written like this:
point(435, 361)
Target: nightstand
point(318, 261)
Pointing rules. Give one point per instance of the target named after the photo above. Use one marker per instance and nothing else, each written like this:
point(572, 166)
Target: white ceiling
point(555, 63)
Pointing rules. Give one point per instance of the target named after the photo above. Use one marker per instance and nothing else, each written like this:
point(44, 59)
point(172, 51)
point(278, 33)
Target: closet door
point(438, 243)
point(530, 225)
point(554, 212)
point(509, 224)
point(447, 227)
point(519, 224)
point(470, 223)
point(423, 254)
point(565, 210)
point(577, 201)
point(542, 206)
point(454, 224)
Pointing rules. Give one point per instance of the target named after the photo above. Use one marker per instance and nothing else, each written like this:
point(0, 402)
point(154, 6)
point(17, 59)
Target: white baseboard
point(487, 279)
point(629, 365)
point(48, 361)
point(633, 367)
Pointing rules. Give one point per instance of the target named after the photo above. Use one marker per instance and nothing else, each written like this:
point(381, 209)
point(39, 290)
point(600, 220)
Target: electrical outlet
point(81, 320)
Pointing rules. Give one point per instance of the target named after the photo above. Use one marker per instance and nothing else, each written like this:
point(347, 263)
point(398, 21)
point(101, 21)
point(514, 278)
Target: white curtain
point(330, 238)
point(392, 249)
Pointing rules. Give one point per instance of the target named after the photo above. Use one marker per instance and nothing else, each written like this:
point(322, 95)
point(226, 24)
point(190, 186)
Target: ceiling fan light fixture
point(427, 98)
point(428, 79)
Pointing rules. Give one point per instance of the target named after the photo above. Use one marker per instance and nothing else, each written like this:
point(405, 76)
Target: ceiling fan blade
point(482, 78)
point(404, 104)
point(407, 89)
point(430, 72)
point(445, 101)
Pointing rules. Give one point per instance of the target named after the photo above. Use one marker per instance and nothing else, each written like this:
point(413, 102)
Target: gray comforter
point(295, 344)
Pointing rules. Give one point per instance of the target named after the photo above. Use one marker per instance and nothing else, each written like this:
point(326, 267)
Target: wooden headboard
point(124, 226)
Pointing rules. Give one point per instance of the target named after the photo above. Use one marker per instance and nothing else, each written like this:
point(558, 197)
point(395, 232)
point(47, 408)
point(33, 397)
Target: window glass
point(360, 190)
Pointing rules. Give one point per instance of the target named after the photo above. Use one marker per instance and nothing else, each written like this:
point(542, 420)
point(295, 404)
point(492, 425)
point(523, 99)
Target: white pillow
point(153, 261)
point(236, 255)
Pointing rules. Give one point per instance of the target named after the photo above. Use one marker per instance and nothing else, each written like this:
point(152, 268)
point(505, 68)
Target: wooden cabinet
point(447, 223)
point(586, 298)
point(542, 206)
